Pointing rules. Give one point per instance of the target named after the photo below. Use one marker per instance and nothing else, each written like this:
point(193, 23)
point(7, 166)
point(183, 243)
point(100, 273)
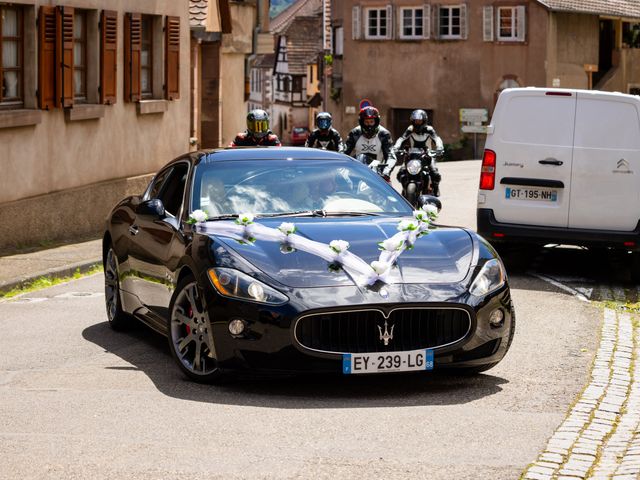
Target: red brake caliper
point(190, 314)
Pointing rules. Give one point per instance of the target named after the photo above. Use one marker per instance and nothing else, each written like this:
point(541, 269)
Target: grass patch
point(629, 307)
point(48, 281)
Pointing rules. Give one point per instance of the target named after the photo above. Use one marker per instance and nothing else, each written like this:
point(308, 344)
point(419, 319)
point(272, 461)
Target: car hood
point(443, 256)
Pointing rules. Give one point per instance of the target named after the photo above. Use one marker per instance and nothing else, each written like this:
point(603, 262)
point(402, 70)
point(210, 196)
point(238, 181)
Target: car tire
point(468, 371)
point(635, 267)
point(411, 194)
point(118, 318)
point(190, 334)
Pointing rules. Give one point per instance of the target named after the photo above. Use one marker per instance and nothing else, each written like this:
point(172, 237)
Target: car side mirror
point(151, 208)
point(429, 200)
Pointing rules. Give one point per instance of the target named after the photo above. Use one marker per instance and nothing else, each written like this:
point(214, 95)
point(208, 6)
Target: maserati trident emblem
point(386, 336)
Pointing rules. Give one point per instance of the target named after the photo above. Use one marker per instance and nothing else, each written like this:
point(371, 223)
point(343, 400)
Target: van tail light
point(488, 171)
point(629, 244)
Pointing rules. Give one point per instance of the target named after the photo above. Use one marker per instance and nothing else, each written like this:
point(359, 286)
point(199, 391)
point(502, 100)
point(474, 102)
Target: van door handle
point(550, 161)
point(133, 230)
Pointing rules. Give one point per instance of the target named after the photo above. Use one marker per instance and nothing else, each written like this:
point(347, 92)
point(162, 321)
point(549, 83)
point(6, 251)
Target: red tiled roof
point(618, 8)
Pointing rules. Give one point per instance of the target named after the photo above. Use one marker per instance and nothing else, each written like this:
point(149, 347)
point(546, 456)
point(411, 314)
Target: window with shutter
point(411, 23)
point(80, 56)
point(64, 56)
point(132, 49)
point(46, 57)
point(172, 58)
point(108, 57)
point(487, 24)
point(511, 24)
point(451, 24)
point(146, 57)
point(376, 24)
point(11, 55)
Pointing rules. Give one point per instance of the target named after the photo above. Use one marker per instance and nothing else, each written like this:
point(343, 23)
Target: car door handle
point(133, 230)
point(550, 161)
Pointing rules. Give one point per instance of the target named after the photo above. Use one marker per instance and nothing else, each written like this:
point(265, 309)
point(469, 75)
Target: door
point(533, 142)
point(159, 245)
point(605, 191)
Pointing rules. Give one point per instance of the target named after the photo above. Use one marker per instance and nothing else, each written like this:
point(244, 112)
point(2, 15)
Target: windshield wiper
point(226, 216)
point(353, 214)
point(298, 213)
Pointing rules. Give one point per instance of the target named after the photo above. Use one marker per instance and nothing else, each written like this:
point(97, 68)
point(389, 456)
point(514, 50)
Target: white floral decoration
point(339, 246)
point(421, 216)
point(392, 244)
point(287, 228)
point(430, 210)
point(198, 216)
point(245, 219)
point(407, 226)
point(380, 267)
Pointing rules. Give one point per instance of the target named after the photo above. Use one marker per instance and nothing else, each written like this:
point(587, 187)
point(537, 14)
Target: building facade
point(446, 56)
point(94, 98)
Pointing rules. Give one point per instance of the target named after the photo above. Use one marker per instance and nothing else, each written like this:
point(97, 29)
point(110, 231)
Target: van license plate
point(540, 194)
point(387, 362)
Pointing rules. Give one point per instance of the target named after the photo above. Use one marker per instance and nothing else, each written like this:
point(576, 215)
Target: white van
point(562, 166)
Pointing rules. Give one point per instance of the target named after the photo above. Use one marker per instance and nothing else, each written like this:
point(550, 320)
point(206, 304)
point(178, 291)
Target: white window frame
point(414, 24)
point(378, 35)
point(338, 41)
point(449, 35)
point(517, 27)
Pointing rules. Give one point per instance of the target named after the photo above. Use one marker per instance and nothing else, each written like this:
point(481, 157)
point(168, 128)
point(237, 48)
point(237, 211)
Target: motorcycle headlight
point(490, 278)
point(414, 167)
point(235, 284)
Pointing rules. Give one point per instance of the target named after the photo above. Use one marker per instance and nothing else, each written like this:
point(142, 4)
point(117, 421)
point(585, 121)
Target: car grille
point(360, 331)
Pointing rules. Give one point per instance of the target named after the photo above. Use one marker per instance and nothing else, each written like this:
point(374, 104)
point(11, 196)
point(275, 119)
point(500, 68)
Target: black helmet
point(258, 123)
point(419, 120)
point(366, 113)
point(323, 121)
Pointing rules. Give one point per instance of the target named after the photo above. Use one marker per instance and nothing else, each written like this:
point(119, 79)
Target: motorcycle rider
point(257, 133)
point(373, 140)
point(325, 136)
point(418, 135)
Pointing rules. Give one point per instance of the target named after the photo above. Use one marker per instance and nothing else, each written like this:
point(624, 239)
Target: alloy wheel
point(111, 286)
point(190, 331)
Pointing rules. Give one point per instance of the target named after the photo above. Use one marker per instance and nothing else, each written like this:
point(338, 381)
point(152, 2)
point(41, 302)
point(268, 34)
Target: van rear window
point(538, 120)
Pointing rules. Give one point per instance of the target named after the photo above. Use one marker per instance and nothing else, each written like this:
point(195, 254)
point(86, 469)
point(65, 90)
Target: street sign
point(474, 115)
point(365, 102)
point(475, 128)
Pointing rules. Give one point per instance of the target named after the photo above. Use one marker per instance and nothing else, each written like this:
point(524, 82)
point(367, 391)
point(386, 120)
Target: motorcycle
point(415, 174)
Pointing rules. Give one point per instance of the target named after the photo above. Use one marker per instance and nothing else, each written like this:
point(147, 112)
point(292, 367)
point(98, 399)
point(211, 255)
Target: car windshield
point(272, 187)
point(299, 130)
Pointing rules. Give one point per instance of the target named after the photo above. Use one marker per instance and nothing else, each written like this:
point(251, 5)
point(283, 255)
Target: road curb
point(55, 272)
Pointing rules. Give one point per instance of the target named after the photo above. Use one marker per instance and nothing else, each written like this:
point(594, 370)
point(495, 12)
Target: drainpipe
point(254, 49)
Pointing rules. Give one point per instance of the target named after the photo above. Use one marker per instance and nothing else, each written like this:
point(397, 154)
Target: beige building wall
point(58, 155)
point(575, 42)
point(443, 75)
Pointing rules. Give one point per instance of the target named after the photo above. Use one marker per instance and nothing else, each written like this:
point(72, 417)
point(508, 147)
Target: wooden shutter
point(132, 50)
point(436, 20)
point(46, 58)
point(464, 24)
point(64, 56)
point(521, 32)
point(426, 21)
point(225, 15)
point(356, 29)
point(389, 22)
point(108, 57)
point(172, 58)
point(487, 24)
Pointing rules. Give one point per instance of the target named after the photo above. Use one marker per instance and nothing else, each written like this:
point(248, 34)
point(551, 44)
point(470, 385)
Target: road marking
point(561, 286)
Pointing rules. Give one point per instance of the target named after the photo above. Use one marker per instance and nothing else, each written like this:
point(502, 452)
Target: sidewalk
point(62, 261)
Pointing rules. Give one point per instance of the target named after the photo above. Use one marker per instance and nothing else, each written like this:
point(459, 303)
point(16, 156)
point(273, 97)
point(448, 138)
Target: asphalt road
point(81, 401)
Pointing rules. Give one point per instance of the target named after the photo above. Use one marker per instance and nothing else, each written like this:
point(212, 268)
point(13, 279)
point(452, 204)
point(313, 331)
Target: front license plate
point(538, 194)
point(387, 362)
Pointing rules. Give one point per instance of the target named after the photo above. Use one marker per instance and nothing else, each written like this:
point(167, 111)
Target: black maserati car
point(296, 260)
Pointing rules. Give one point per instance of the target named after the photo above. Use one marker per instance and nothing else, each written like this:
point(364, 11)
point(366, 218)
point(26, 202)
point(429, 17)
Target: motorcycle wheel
point(412, 195)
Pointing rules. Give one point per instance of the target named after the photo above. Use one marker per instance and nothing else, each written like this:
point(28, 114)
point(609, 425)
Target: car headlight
point(491, 277)
point(414, 167)
point(235, 284)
